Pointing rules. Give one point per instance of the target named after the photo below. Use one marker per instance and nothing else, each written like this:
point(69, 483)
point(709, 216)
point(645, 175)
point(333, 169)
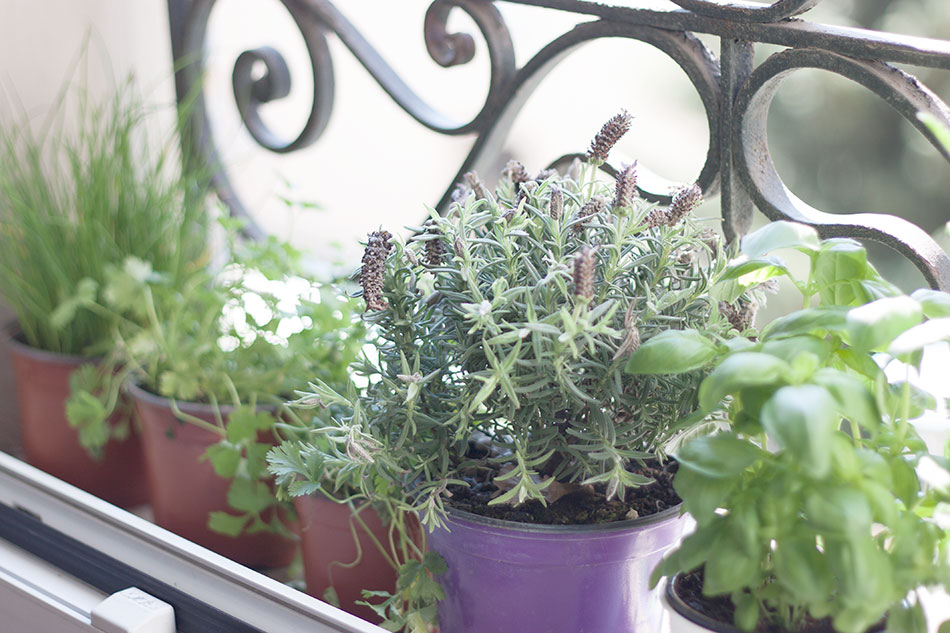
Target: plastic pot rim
point(546, 528)
point(677, 604)
point(698, 618)
point(187, 406)
point(17, 342)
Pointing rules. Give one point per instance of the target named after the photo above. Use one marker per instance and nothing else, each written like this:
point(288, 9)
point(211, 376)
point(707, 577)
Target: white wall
point(39, 45)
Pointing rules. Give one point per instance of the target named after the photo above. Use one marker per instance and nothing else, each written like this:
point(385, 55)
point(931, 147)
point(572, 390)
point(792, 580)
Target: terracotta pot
point(327, 540)
point(42, 387)
point(184, 489)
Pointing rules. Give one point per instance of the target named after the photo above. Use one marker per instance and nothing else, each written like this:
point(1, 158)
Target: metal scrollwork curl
point(754, 162)
point(274, 82)
point(696, 61)
point(748, 11)
point(261, 75)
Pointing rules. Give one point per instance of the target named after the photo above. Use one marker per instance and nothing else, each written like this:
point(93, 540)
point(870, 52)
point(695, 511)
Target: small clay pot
point(52, 445)
point(185, 490)
point(328, 537)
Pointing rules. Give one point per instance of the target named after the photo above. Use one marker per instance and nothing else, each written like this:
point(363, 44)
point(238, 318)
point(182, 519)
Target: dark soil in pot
point(581, 505)
point(688, 590)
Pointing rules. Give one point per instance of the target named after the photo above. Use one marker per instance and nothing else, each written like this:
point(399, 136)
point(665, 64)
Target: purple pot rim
point(699, 618)
point(193, 408)
point(463, 517)
point(17, 342)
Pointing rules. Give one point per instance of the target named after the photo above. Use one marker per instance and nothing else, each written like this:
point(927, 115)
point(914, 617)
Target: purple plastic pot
point(508, 577)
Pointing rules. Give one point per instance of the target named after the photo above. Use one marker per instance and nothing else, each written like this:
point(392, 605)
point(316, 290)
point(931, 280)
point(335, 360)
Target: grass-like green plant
point(818, 499)
point(74, 203)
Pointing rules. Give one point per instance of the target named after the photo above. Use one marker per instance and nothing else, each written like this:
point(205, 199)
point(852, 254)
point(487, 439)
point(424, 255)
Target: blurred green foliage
point(844, 150)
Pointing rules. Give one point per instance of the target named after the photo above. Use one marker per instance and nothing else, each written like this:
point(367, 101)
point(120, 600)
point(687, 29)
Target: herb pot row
point(161, 462)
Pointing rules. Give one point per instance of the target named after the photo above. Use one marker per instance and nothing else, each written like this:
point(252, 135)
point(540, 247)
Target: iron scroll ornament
point(751, 11)
point(904, 93)
point(735, 95)
point(314, 19)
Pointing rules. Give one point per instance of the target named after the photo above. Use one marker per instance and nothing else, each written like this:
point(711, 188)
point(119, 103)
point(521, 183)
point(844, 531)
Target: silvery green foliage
point(508, 333)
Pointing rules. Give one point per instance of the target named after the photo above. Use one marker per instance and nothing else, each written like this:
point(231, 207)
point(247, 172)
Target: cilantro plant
point(241, 339)
point(818, 499)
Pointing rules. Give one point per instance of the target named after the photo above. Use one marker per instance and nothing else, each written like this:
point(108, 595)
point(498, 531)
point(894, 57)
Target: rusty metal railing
point(735, 92)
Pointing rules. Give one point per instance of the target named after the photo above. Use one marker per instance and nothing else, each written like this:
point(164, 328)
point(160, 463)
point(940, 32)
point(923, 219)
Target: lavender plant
point(502, 331)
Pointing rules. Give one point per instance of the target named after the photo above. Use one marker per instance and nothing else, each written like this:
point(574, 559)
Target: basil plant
point(817, 499)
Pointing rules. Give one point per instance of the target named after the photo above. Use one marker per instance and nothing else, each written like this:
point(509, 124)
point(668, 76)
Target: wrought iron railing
point(735, 92)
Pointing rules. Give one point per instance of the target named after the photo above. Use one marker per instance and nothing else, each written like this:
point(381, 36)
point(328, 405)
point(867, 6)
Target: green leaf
point(172, 384)
point(802, 420)
point(701, 495)
point(65, 312)
point(224, 459)
point(746, 615)
point(434, 563)
point(249, 496)
point(809, 321)
point(920, 336)
point(839, 511)
point(934, 303)
point(837, 264)
point(781, 234)
point(884, 506)
point(738, 371)
point(906, 483)
point(672, 352)
point(299, 488)
point(907, 618)
point(691, 553)
point(330, 596)
point(853, 397)
point(83, 409)
point(802, 569)
point(720, 455)
point(228, 524)
point(863, 575)
point(752, 272)
point(256, 463)
point(873, 326)
point(789, 348)
point(244, 423)
point(729, 568)
point(486, 390)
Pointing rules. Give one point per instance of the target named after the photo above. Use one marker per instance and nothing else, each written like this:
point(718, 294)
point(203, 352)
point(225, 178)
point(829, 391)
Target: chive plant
point(72, 204)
